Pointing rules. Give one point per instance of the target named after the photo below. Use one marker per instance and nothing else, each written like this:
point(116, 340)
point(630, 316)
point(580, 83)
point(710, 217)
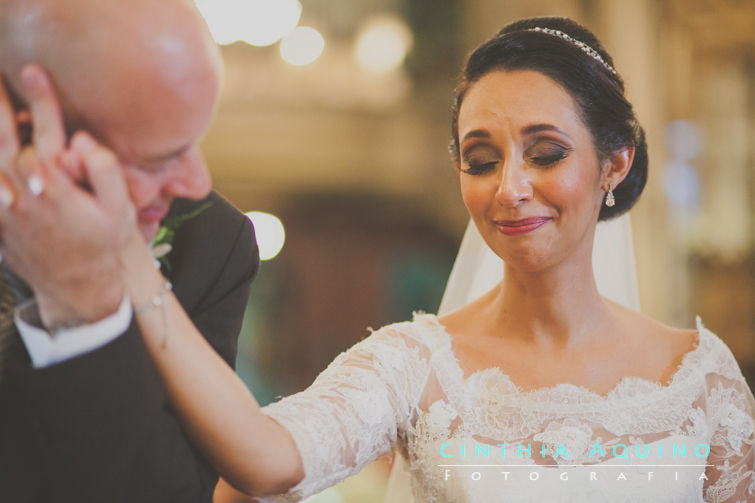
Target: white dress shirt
point(46, 350)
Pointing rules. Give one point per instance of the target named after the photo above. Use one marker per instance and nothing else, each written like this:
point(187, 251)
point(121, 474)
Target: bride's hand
point(64, 211)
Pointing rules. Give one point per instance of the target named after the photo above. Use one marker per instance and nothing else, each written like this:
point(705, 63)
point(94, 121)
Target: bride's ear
point(616, 167)
point(457, 165)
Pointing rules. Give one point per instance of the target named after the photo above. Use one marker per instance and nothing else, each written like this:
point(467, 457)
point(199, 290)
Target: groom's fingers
point(8, 131)
point(47, 121)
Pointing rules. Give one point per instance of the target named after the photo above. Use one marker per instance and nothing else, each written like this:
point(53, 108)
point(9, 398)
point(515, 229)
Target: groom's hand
point(64, 211)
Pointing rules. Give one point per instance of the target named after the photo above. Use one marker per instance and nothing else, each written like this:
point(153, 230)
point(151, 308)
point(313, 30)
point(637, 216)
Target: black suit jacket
point(98, 428)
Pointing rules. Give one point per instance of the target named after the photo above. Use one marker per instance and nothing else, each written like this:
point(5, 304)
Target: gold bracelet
point(156, 301)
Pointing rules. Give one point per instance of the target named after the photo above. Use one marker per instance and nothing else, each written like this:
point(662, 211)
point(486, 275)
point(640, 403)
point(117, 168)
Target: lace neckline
point(567, 392)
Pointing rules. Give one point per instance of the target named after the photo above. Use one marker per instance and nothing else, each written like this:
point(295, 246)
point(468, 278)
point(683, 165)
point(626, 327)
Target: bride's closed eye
point(547, 153)
point(479, 168)
point(544, 153)
point(480, 159)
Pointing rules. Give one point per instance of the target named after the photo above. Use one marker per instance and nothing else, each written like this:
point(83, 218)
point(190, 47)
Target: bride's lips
point(523, 226)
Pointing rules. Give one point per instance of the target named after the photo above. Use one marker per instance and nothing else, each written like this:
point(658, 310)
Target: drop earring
point(610, 200)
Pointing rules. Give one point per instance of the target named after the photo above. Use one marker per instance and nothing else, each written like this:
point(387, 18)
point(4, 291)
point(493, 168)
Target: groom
point(83, 414)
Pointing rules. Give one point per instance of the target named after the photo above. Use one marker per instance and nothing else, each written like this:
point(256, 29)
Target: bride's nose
point(514, 186)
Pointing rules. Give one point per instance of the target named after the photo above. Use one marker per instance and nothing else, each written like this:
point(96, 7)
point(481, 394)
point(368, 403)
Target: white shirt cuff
point(46, 350)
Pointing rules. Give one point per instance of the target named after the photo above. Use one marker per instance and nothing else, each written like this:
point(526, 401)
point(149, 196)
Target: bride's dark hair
point(598, 92)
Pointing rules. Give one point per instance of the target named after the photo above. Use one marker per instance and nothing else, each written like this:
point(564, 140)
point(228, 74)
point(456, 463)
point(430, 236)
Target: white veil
point(477, 269)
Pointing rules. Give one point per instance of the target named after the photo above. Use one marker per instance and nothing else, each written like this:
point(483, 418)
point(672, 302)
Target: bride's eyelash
point(479, 168)
point(553, 158)
point(549, 157)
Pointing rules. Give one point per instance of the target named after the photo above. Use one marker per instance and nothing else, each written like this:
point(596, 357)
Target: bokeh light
point(269, 232)
point(684, 140)
point(382, 43)
point(302, 46)
point(256, 22)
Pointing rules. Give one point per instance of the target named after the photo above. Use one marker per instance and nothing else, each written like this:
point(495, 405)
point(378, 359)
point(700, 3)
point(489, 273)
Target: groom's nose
point(189, 177)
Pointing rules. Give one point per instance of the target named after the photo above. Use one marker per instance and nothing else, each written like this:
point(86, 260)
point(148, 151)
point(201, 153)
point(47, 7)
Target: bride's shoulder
point(698, 343)
point(715, 347)
point(638, 325)
point(423, 328)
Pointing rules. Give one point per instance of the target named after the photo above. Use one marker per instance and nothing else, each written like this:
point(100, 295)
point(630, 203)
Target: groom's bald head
point(115, 51)
point(143, 76)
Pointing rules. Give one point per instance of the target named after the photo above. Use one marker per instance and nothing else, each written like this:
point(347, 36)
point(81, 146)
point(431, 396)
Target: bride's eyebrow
point(476, 133)
point(536, 128)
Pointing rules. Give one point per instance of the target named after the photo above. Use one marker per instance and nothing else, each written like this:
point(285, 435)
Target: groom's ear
point(616, 166)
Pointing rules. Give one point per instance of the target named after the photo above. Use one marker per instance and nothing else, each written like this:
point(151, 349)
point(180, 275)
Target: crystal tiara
point(586, 48)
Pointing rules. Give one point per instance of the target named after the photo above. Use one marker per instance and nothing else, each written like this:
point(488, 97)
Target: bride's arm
point(250, 450)
point(354, 412)
point(730, 476)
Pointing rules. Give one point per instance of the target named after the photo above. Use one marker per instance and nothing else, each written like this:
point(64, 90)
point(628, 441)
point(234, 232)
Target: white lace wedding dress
point(402, 388)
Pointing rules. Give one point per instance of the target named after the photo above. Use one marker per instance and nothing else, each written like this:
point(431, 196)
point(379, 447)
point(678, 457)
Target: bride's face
point(528, 169)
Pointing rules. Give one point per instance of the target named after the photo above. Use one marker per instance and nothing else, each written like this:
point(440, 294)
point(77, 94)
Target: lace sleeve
point(355, 410)
point(731, 409)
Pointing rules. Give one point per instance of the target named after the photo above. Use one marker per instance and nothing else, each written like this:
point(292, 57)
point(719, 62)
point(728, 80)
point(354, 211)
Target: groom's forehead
point(152, 124)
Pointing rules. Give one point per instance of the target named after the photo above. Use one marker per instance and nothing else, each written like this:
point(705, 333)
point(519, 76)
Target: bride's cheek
point(477, 196)
point(564, 192)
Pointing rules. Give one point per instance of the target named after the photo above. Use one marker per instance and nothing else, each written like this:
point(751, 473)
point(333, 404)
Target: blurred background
point(334, 126)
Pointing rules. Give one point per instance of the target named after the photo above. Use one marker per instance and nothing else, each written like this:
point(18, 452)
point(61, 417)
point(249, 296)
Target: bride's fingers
point(48, 130)
point(14, 193)
point(29, 174)
point(8, 131)
point(72, 165)
point(7, 195)
point(38, 183)
point(103, 172)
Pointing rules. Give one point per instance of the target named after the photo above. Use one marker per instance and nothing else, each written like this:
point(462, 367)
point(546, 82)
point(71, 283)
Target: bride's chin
point(527, 259)
point(529, 253)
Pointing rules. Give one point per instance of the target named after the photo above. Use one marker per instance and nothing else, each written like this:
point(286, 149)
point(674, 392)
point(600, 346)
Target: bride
point(539, 390)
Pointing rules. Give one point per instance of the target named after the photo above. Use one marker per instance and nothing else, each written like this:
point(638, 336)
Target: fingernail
point(29, 78)
point(6, 197)
point(83, 140)
point(36, 185)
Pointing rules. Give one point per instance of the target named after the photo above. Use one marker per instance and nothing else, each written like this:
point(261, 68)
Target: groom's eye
point(158, 163)
point(155, 165)
point(151, 166)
